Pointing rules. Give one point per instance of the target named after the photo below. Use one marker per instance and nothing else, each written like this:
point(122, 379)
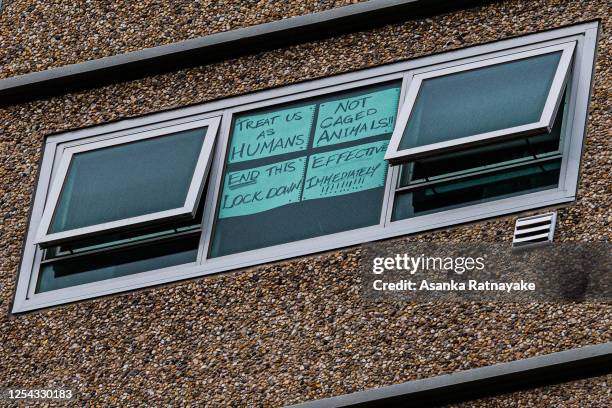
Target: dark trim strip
point(214, 47)
point(497, 379)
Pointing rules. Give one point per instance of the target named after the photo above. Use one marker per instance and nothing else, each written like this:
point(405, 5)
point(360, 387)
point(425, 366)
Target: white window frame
point(544, 124)
point(189, 207)
point(584, 35)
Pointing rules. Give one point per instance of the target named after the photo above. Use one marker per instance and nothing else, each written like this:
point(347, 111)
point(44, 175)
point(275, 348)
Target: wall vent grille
point(536, 230)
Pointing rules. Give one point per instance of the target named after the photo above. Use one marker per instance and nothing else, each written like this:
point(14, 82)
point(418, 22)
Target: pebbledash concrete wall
point(290, 331)
point(588, 393)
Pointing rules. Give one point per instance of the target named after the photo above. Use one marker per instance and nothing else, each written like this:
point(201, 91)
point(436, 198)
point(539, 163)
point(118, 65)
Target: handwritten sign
point(262, 188)
point(270, 134)
point(356, 118)
point(346, 171)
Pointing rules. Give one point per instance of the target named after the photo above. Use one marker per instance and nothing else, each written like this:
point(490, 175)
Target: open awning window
point(135, 180)
point(456, 107)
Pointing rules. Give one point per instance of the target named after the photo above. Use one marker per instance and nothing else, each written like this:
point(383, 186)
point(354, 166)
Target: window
point(383, 152)
point(125, 205)
point(480, 174)
point(128, 181)
point(303, 170)
point(481, 102)
point(463, 134)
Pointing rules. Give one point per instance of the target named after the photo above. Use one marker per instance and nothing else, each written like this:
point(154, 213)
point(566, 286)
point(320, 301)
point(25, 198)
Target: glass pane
point(477, 189)
point(127, 237)
point(122, 238)
point(305, 170)
point(128, 180)
point(480, 100)
point(107, 265)
point(484, 157)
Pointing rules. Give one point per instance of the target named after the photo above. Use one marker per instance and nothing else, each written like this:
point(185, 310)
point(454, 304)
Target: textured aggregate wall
point(290, 331)
point(590, 392)
point(37, 35)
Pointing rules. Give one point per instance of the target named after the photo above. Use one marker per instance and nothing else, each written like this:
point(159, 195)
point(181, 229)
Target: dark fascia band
point(481, 382)
point(229, 44)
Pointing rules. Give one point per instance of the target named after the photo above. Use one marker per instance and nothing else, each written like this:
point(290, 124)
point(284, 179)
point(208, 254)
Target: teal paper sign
point(346, 171)
point(262, 188)
point(356, 118)
point(270, 134)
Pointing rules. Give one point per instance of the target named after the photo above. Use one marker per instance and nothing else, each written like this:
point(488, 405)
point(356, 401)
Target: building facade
point(226, 293)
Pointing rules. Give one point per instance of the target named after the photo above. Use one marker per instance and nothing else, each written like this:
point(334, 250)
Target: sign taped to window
point(355, 118)
point(271, 133)
point(346, 171)
point(328, 174)
point(316, 173)
point(262, 188)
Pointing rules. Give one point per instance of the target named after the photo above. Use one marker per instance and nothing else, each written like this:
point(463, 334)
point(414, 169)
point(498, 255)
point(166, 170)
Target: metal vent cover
point(535, 230)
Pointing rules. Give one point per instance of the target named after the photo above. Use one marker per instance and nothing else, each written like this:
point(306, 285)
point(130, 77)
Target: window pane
point(305, 170)
point(480, 100)
point(484, 157)
point(477, 189)
point(126, 237)
point(107, 265)
point(128, 180)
